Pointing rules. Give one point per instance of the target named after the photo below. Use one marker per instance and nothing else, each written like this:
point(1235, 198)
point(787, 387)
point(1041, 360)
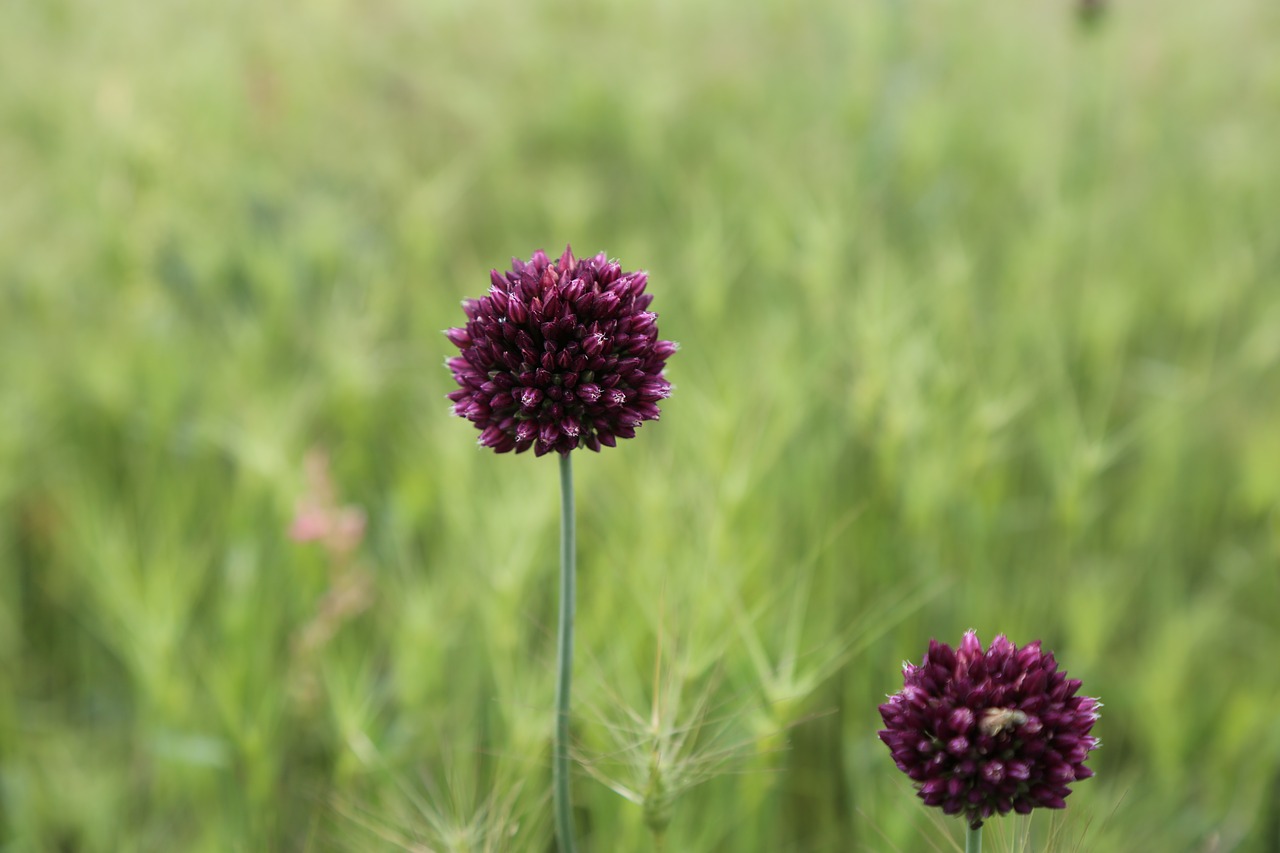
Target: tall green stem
point(564, 661)
point(973, 840)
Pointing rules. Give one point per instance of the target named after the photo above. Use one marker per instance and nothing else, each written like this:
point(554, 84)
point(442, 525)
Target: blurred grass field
point(980, 323)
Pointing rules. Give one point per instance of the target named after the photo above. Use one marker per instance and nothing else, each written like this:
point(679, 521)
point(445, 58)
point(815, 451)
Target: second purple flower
point(984, 733)
point(559, 355)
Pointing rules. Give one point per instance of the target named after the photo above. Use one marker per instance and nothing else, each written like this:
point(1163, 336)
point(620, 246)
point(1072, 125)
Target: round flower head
point(990, 732)
point(561, 354)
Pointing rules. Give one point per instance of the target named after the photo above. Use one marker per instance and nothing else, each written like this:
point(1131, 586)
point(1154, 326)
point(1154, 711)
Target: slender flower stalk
point(564, 659)
point(973, 840)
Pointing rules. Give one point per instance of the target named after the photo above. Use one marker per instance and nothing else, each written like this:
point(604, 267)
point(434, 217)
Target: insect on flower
point(996, 720)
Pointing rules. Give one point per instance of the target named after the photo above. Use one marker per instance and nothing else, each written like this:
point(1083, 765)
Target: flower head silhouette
point(990, 732)
point(559, 355)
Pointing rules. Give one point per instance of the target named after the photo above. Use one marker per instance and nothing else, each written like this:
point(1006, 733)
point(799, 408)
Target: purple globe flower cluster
point(990, 732)
point(559, 355)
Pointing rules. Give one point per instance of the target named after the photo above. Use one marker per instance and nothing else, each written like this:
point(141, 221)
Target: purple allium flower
point(561, 354)
point(990, 732)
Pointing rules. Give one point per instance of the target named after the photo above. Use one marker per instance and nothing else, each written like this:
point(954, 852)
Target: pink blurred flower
point(318, 518)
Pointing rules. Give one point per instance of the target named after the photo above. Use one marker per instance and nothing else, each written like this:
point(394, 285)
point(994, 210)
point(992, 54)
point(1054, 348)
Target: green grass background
point(980, 325)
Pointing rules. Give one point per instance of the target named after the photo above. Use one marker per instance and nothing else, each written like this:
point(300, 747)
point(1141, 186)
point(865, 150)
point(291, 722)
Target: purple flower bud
point(491, 436)
point(516, 311)
point(986, 733)
point(530, 398)
point(961, 720)
point(652, 391)
point(593, 343)
point(606, 304)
